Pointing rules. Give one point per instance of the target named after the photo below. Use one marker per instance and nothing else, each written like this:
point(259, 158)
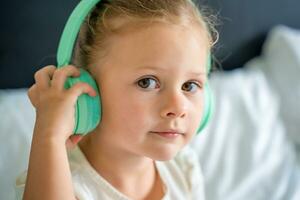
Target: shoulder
point(88, 184)
point(82, 175)
point(82, 179)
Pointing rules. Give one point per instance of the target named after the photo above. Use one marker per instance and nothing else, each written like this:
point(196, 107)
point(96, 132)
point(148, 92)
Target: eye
point(148, 83)
point(191, 86)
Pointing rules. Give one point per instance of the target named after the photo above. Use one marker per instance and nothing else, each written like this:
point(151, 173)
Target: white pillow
point(280, 62)
point(17, 121)
point(244, 152)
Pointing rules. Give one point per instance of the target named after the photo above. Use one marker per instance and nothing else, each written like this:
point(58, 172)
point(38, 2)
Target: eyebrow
point(154, 68)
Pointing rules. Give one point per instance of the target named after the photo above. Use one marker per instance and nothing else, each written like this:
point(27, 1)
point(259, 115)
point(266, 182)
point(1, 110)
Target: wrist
point(46, 138)
point(46, 133)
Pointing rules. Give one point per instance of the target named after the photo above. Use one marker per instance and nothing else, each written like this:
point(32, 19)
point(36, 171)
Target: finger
point(61, 74)
point(32, 93)
point(43, 77)
point(81, 88)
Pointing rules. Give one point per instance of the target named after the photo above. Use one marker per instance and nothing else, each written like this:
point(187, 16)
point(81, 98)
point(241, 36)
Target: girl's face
point(151, 86)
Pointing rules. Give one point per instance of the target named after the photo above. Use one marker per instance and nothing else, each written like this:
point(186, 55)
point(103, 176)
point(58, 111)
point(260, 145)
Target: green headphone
point(88, 109)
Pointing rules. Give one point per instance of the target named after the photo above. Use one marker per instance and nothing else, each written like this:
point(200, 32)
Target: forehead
point(159, 45)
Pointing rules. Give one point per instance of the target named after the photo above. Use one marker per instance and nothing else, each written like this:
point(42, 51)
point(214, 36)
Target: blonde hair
point(111, 17)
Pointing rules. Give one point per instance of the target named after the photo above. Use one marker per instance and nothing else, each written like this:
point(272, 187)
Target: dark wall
point(30, 32)
point(245, 24)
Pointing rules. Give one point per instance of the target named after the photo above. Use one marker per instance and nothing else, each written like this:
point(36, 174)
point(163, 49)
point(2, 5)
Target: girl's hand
point(55, 112)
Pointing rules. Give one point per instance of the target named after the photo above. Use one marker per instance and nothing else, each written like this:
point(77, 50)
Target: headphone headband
point(71, 30)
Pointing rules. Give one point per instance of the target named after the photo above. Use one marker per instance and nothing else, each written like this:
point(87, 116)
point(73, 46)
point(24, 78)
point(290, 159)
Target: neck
point(133, 175)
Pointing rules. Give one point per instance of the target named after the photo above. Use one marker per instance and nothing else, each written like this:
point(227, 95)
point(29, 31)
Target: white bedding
point(247, 152)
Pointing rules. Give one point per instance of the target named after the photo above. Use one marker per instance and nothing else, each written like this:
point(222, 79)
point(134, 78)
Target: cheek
point(135, 112)
point(126, 111)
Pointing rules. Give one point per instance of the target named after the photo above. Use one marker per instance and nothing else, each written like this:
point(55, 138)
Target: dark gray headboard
point(245, 24)
point(30, 32)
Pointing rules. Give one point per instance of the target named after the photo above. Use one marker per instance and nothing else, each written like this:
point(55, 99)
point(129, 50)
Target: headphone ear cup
point(87, 109)
point(208, 107)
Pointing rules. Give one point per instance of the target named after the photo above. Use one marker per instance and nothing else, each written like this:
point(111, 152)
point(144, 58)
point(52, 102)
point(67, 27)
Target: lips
point(168, 133)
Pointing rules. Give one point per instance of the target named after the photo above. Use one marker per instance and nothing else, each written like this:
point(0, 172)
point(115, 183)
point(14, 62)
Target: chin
point(164, 154)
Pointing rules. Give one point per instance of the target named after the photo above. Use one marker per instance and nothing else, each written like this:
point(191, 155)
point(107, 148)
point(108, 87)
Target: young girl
point(149, 60)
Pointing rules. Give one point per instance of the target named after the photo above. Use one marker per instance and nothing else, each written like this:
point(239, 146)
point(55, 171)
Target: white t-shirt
point(181, 176)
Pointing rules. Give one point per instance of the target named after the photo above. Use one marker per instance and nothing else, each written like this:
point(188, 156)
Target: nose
point(174, 105)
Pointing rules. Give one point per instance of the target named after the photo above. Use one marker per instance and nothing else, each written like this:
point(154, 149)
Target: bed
point(251, 148)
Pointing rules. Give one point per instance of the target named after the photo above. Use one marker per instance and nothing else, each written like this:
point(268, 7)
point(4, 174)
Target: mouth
point(168, 134)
